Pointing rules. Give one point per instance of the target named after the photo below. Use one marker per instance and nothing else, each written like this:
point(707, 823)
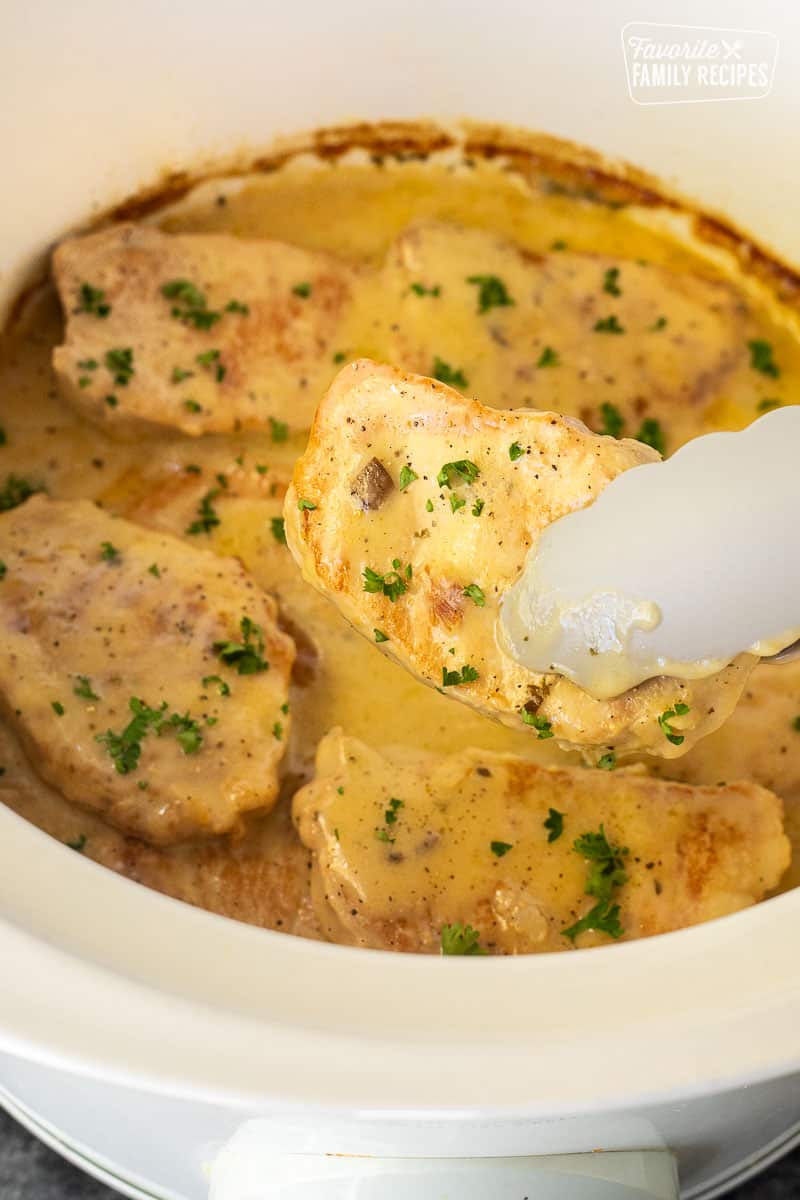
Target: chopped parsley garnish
point(3, 569)
point(429, 505)
point(302, 289)
point(380, 636)
point(679, 710)
point(120, 363)
point(391, 584)
point(339, 357)
point(248, 654)
point(88, 364)
point(461, 939)
point(278, 527)
point(383, 835)
point(83, 688)
point(92, 300)
point(454, 473)
point(111, 401)
point(456, 503)
point(475, 593)
point(796, 724)
point(447, 374)
point(548, 358)
point(761, 358)
point(606, 874)
point(57, 707)
point(236, 306)
point(178, 375)
point(541, 724)
point(191, 306)
point(554, 824)
point(224, 690)
point(613, 420)
point(608, 325)
point(611, 282)
point(407, 477)
point(210, 360)
point(558, 244)
point(651, 434)
point(78, 844)
point(467, 674)
point(125, 748)
point(16, 491)
point(390, 816)
point(658, 324)
point(766, 404)
point(277, 731)
point(306, 505)
point(478, 507)
point(419, 289)
point(109, 552)
point(193, 406)
point(279, 430)
point(153, 570)
point(515, 451)
point(608, 761)
point(193, 469)
point(492, 292)
point(207, 517)
point(500, 848)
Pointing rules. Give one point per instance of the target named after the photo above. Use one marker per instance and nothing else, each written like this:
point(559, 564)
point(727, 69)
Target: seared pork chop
point(413, 509)
point(145, 678)
point(563, 331)
point(205, 333)
point(405, 844)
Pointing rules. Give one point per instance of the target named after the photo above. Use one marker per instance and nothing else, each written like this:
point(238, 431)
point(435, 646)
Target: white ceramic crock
point(138, 1034)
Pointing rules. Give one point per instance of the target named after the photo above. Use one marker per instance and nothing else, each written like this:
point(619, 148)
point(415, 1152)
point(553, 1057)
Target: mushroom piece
point(372, 485)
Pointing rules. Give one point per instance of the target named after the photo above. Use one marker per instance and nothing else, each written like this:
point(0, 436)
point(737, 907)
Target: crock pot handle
point(250, 1169)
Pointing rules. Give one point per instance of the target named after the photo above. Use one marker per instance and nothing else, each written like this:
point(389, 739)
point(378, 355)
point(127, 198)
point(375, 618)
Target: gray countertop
point(30, 1171)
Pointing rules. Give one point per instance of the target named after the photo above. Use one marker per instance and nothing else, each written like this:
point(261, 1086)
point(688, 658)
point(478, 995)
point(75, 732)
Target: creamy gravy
point(355, 209)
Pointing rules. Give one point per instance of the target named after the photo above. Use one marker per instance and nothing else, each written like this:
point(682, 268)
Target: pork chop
point(407, 844)
point(145, 678)
point(205, 333)
point(413, 509)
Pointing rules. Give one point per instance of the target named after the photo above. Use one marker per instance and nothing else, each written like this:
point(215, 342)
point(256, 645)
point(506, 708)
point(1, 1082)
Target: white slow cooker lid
point(100, 974)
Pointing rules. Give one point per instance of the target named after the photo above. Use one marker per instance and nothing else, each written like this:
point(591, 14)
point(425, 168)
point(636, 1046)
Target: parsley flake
point(57, 707)
point(541, 724)
point(380, 636)
point(651, 434)
point(461, 939)
point(548, 358)
point(109, 552)
point(120, 363)
point(303, 290)
point(554, 824)
point(207, 517)
point(279, 430)
point(500, 848)
point(613, 420)
point(515, 451)
point(611, 282)
point(454, 473)
point(407, 476)
point(467, 674)
point(475, 593)
point(92, 300)
point(761, 358)
point(191, 307)
point(606, 874)
point(83, 688)
point(419, 289)
point(247, 656)
point(278, 527)
point(391, 584)
point(453, 376)
point(16, 491)
point(679, 710)
point(608, 761)
point(608, 325)
point(492, 292)
point(223, 687)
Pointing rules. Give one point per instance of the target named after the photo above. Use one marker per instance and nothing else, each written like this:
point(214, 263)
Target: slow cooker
point(168, 1050)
